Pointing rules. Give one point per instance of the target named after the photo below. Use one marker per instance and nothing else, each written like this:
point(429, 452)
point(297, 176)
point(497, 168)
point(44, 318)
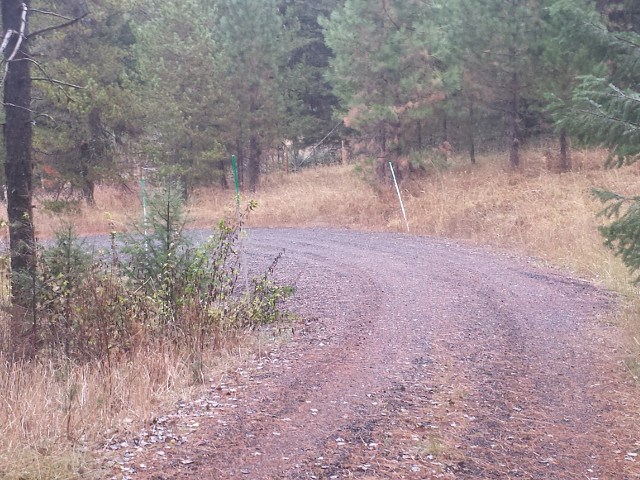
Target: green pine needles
point(623, 234)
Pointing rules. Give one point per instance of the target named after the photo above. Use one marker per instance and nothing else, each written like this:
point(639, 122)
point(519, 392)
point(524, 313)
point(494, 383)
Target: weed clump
point(154, 284)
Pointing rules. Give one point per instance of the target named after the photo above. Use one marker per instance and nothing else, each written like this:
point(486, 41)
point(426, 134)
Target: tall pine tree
point(605, 111)
point(382, 71)
point(260, 88)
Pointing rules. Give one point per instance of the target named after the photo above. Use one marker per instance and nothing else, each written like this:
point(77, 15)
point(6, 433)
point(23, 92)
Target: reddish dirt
point(418, 359)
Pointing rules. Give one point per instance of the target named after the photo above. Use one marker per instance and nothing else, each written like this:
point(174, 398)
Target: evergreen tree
point(605, 111)
point(497, 40)
point(308, 64)
point(260, 85)
point(382, 71)
point(78, 138)
point(182, 68)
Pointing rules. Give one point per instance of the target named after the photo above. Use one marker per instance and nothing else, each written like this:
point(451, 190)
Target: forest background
point(174, 88)
point(469, 101)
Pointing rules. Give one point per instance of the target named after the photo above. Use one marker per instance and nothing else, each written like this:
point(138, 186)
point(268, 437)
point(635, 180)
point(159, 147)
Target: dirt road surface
point(418, 359)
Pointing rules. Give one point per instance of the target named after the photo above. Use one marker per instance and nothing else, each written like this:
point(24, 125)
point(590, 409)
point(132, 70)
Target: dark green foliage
point(157, 250)
point(623, 234)
point(83, 311)
point(604, 109)
point(382, 71)
point(181, 69)
point(605, 115)
point(80, 130)
point(158, 286)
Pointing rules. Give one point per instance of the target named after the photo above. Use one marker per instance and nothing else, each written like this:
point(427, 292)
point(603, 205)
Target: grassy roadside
point(532, 211)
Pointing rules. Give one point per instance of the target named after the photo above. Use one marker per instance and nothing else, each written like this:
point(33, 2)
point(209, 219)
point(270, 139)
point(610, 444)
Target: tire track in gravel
point(508, 364)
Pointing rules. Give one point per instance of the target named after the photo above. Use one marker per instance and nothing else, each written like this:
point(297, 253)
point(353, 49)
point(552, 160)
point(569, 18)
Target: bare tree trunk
point(565, 163)
point(18, 134)
point(223, 177)
point(254, 162)
point(445, 128)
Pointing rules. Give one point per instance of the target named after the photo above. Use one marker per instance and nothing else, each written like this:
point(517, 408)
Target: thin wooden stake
point(393, 174)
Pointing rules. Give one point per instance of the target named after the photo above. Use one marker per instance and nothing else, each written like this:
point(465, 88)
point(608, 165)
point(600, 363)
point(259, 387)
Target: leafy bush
point(157, 286)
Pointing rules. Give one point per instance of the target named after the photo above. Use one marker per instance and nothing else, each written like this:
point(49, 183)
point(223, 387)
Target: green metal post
point(235, 178)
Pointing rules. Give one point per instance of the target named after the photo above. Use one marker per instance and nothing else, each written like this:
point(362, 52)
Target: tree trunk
point(445, 127)
point(87, 185)
point(18, 133)
point(382, 139)
point(254, 162)
point(223, 176)
point(565, 164)
point(514, 117)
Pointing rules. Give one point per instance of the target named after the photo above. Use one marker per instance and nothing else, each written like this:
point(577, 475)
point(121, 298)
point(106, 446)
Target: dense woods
point(482, 107)
point(180, 86)
point(100, 92)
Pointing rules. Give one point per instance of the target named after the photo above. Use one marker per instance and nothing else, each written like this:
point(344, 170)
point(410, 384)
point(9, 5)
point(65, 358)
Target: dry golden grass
point(47, 412)
point(532, 210)
point(55, 418)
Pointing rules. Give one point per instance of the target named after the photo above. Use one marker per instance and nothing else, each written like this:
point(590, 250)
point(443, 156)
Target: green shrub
point(157, 286)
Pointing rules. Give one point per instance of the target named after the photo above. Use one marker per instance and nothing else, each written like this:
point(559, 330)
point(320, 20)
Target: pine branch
point(601, 114)
point(53, 14)
point(7, 38)
point(54, 82)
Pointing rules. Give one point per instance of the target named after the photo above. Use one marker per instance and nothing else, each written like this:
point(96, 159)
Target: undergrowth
point(114, 330)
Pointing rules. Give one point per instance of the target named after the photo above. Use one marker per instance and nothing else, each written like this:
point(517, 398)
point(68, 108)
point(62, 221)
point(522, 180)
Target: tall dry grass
point(533, 210)
point(50, 412)
point(58, 419)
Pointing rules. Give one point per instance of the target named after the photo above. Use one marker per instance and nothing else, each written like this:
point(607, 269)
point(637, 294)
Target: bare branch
point(51, 80)
point(58, 27)
point(36, 114)
point(21, 37)
point(57, 82)
point(53, 14)
point(19, 107)
point(7, 38)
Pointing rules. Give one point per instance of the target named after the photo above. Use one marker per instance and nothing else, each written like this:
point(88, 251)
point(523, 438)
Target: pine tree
point(605, 111)
point(382, 71)
point(308, 65)
point(79, 128)
point(182, 69)
point(260, 86)
point(496, 40)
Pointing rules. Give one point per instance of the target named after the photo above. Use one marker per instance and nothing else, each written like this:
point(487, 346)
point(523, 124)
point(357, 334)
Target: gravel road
point(418, 358)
